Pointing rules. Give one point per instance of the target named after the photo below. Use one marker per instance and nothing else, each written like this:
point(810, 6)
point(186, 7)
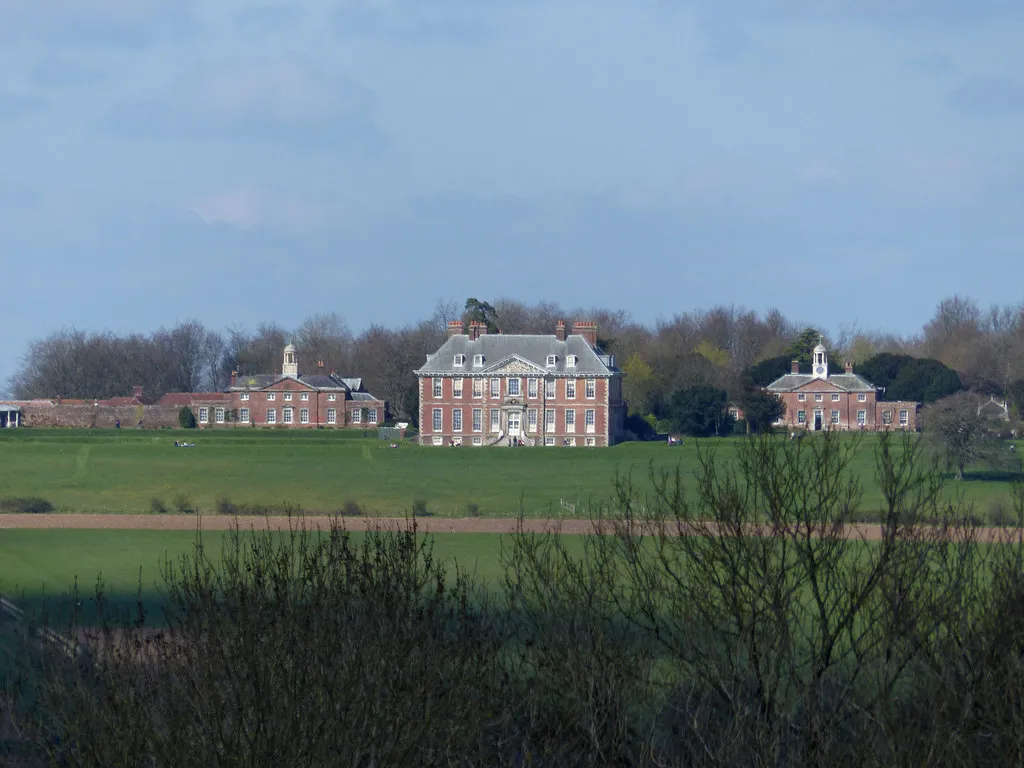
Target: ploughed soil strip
point(865, 531)
point(282, 522)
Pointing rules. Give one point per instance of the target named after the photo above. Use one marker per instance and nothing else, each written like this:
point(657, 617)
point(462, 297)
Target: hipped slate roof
point(535, 349)
point(248, 383)
point(848, 382)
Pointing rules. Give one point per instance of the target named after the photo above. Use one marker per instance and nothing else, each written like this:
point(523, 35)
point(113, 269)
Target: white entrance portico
point(10, 416)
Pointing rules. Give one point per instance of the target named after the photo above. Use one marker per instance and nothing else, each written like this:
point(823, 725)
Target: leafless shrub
point(307, 649)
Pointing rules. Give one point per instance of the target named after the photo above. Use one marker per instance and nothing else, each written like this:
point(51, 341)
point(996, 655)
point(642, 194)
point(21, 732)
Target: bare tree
point(190, 352)
point(961, 433)
point(324, 338)
point(257, 353)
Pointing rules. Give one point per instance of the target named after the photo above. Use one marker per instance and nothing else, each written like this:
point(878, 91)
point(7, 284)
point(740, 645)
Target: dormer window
point(552, 361)
point(570, 361)
point(478, 361)
point(460, 360)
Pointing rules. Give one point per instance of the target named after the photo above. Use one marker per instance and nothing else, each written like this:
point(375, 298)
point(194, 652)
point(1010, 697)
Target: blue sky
point(848, 161)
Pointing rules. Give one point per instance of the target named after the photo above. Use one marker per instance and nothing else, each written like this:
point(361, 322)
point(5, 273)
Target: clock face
point(820, 369)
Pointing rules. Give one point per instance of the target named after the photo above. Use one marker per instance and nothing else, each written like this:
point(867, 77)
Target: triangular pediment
point(514, 364)
point(818, 385)
point(288, 384)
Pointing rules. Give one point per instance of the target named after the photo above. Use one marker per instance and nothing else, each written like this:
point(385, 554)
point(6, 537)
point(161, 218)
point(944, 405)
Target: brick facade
point(818, 406)
point(286, 400)
point(845, 401)
point(292, 403)
point(519, 396)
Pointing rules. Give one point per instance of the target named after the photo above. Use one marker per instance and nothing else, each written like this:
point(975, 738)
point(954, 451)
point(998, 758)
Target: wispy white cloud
point(286, 101)
point(251, 207)
point(121, 23)
point(414, 21)
point(269, 17)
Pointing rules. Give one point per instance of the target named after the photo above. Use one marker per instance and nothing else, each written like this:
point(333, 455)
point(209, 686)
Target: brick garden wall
point(50, 414)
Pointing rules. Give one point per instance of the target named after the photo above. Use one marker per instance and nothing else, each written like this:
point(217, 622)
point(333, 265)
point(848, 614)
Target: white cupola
point(290, 365)
point(819, 362)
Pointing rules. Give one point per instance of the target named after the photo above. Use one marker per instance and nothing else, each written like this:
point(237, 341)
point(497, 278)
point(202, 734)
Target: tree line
point(707, 357)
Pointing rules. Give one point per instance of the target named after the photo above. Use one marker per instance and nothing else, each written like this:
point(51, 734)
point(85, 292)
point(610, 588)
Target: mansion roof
point(521, 352)
point(845, 382)
point(318, 381)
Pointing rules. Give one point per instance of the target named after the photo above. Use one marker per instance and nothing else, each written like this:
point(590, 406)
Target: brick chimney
point(560, 330)
point(587, 330)
point(454, 328)
point(849, 367)
point(476, 330)
point(234, 378)
point(795, 366)
point(320, 364)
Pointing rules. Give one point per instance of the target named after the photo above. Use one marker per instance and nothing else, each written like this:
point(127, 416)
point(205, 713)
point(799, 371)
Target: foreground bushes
point(742, 626)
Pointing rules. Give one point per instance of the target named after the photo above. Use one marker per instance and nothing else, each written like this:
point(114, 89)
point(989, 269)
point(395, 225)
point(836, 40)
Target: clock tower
point(819, 363)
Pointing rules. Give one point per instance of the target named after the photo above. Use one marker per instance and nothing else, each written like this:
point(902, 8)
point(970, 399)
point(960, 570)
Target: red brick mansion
point(286, 399)
point(495, 389)
point(816, 401)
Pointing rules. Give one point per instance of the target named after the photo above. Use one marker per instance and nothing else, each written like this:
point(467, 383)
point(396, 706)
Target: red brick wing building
point(817, 401)
point(485, 389)
point(287, 399)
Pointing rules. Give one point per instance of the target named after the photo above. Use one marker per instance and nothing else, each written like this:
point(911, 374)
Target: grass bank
point(323, 472)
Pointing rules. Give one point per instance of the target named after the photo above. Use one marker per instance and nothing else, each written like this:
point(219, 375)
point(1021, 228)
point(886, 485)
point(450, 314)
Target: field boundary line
point(172, 522)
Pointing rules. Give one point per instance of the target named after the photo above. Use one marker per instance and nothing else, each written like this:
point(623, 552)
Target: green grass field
point(39, 567)
point(318, 471)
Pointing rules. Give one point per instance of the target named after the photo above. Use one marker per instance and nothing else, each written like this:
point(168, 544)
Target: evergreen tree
point(699, 411)
point(481, 312)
